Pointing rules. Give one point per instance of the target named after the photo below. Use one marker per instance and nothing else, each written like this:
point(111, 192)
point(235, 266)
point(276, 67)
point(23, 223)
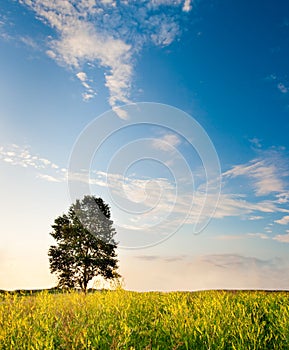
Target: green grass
point(128, 320)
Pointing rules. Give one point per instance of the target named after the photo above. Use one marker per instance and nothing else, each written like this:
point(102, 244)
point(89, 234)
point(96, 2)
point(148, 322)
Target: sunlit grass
point(127, 320)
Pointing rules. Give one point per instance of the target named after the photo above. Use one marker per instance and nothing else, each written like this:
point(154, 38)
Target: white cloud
point(258, 235)
point(255, 217)
point(5, 25)
point(85, 44)
point(187, 6)
point(266, 176)
point(282, 198)
point(107, 34)
point(108, 2)
point(81, 76)
point(81, 42)
point(157, 3)
point(122, 113)
point(271, 77)
point(166, 143)
point(236, 205)
point(255, 142)
point(90, 93)
point(283, 221)
point(157, 199)
point(21, 156)
point(137, 190)
point(29, 42)
point(48, 178)
point(87, 96)
point(282, 238)
point(166, 34)
point(282, 88)
point(229, 237)
point(159, 196)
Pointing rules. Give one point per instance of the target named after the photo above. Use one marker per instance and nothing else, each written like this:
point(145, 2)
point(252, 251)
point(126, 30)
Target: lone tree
point(85, 244)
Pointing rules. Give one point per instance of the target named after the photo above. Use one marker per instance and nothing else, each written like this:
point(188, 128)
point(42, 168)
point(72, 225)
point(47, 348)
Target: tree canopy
point(85, 244)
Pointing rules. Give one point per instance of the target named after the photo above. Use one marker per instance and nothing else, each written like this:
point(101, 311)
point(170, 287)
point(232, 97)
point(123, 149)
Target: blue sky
point(215, 75)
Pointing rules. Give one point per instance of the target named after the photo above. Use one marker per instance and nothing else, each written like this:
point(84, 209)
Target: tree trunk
point(85, 280)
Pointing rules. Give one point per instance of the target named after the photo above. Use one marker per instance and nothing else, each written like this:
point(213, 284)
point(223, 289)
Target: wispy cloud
point(266, 172)
point(28, 41)
point(255, 217)
point(22, 156)
point(166, 142)
point(108, 34)
point(221, 271)
point(282, 238)
point(158, 202)
point(229, 237)
point(258, 235)
point(232, 261)
point(82, 76)
point(281, 84)
point(282, 197)
point(283, 221)
point(90, 93)
point(169, 259)
point(255, 142)
point(5, 25)
point(148, 257)
point(187, 5)
point(48, 178)
point(282, 88)
point(243, 236)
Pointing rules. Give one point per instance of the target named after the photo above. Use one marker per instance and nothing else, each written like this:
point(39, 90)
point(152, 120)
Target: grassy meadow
point(129, 320)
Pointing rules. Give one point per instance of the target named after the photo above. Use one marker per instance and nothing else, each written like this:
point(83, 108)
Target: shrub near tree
point(85, 244)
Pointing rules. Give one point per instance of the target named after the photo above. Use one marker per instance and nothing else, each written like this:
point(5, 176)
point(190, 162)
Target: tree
point(85, 244)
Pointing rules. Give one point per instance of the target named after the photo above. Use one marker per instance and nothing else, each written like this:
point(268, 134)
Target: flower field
point(129, 320)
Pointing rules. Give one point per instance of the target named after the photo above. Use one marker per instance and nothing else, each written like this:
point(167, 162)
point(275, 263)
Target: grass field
point(128, 320)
